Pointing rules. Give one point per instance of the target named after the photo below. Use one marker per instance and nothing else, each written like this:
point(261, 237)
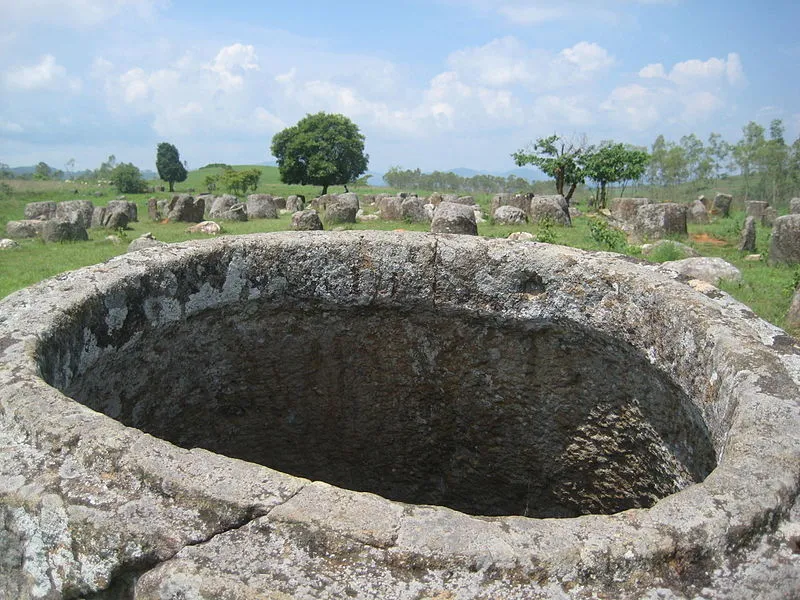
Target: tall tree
point(169, 165)
point(557, 158)
point(321, 149)
point(747, 152)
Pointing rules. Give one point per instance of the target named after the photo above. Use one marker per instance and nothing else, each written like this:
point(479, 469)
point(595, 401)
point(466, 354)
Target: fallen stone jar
point(383, 415)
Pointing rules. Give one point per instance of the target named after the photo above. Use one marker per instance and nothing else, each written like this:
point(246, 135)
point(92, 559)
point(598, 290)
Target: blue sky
point(436, 85)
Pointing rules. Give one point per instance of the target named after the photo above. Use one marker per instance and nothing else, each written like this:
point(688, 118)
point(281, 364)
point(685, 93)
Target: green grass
point(765, 289)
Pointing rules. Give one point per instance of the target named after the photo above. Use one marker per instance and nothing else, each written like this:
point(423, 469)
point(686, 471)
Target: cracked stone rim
point(754, 371)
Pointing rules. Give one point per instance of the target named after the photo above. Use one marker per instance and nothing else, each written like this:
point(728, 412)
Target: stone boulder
point(794, 206)
point(793, 315)
point(7, 244)
point(625, 209)
point(697, 212)
point(129, 208)
point(63, 231)
point(521, 201)
point(450, 217)
point(341, 209)
point(237, 212)
point(510, 215)
point(709, 269)
point(722, 205)
point(280, 202)
point(768, 216)
point(295, 203)
point(306, 220)
point(28, 228)
point(657, 221)
point(207, 227)
point(785, 242)
point(412, 210)
point(146, 240)
point(677, 248)
point(185, 208)
point(40, 211)
point(105, 217)
point(78, 212)
point(391, 208)
point(522, 236)
point(755, 209)
point(464, 200)
point(262, 206)
point(153, 212)
point(747, 241)
point(435, 199)
point(550, 206)
point(221, 204)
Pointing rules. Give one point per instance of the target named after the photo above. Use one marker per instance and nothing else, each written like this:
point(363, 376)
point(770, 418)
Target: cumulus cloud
point(46, 74)
point(653, 71)
point(507, 62)
point(699, 72)
point(232, 62)
point(538, 12)
point(634, 106)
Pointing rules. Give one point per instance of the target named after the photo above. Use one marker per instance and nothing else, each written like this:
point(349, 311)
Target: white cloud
point(653, 71)
point(508, 62)
point(232, 62)
point(561, 111)
point(633, 106)
point(699, 105)
point(46, 74)
point(538, 12)
point(10, 127)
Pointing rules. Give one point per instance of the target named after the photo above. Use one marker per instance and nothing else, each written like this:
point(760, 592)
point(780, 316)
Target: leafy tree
point(43, 171)
point(322, 149)
point(557, 158)
point(612, 163)
point(239, 182)
point(168, 163)
point(5, 171)
point(747, 152)
point(70, 167)
point(127, 178)
point(717, 152)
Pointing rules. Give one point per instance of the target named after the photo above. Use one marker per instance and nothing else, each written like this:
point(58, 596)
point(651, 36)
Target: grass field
point(767, 290)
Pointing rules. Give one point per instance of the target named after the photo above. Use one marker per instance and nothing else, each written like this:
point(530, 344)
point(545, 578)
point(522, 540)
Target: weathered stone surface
point(553, 207)
point(185, 208)
point(221, 204)
point(785, 241)
point(465, 200)
point(146, 240)
point(29, 228)
point(755, 208)
point(280, 202)
point(435, 199)
point(677, 247)
point(412, 210)
point(722, 205)
point(207, 227)
point(521, 201)
point(747, 239)
point(341, 209)
point(262, 206)
point(153, 211)
point(625, 209)
point(794, 206)
point(450, 217)
point(63, 231)
point(510, 215)
point(40, 211)
point(709, 269)
point(793, 315)
point(768, 216)
point(295, 203)
point(126, 206)
point(306, 220)
point(697, 213)
point(236, 212)
point(657, 221)
point(106, 217)
point(676, 404)
point(7, 244)
point(521, 236)
point(391, 208)
point(78, 212)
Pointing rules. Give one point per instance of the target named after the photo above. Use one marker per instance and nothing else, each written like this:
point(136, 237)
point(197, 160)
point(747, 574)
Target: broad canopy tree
point(321, 149)
point(169, 165)
point(558, 158)
point(613, 163)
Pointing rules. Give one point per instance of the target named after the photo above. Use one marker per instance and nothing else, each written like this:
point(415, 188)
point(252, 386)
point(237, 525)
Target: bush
point(127, 178)
point(546, 232)
point(608, 237)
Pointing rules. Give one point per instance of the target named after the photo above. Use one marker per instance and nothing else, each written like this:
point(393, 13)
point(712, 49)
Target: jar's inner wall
point(542, 420)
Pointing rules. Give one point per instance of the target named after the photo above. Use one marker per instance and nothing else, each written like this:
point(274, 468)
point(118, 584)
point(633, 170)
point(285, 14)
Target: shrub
point(608, 237)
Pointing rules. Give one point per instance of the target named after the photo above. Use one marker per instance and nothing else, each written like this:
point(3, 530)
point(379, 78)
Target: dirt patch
point(704, 238)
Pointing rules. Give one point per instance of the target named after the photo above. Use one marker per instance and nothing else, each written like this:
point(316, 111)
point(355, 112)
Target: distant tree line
point(440, 181)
